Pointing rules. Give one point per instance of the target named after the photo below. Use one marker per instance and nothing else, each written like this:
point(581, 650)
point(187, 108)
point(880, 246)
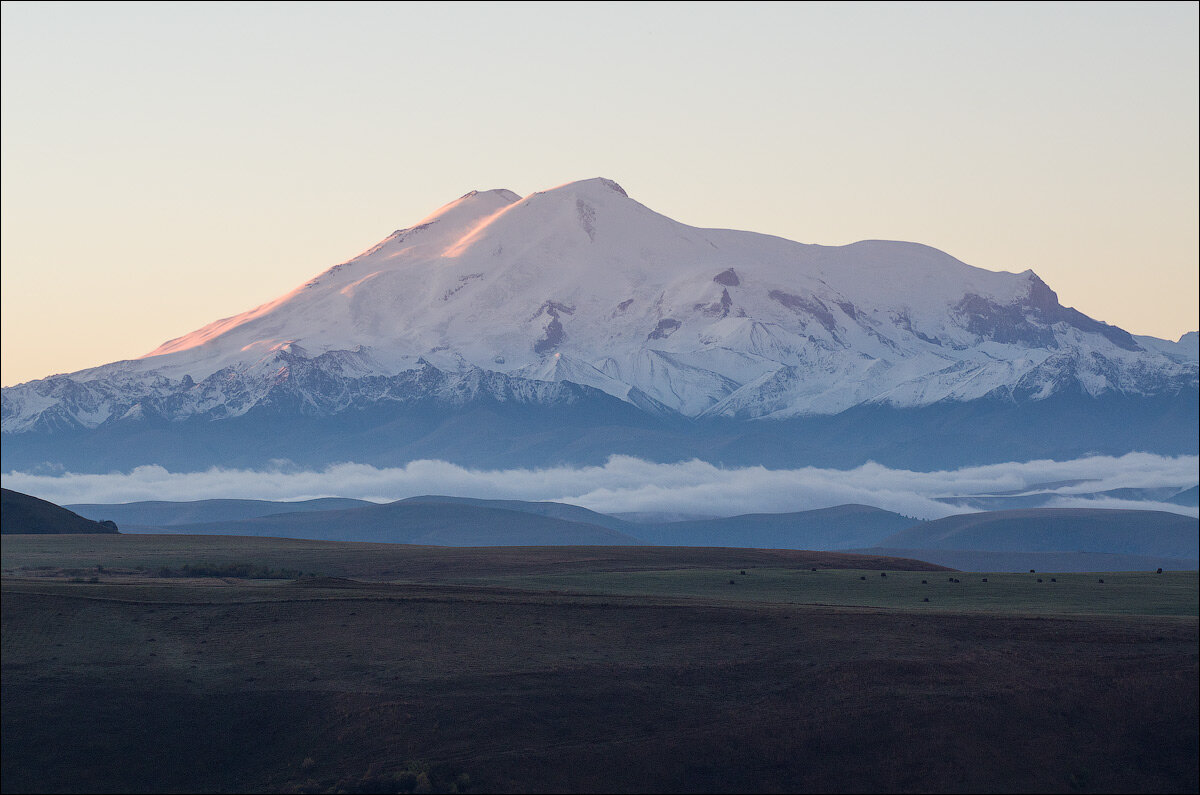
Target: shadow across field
point(329, 684)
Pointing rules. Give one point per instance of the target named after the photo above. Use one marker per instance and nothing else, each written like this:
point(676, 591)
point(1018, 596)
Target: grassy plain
point(588, 669)
point(1124, 593)
point(127, 555)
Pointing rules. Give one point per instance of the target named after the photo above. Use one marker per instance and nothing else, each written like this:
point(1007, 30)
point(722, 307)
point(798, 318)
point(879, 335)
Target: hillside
point(439, 524)
point(451, 519)
point(22, 513)
point(1189, 497)
point(556, 510)
point(161, 513)
point(1148, 533)
point(840, 527)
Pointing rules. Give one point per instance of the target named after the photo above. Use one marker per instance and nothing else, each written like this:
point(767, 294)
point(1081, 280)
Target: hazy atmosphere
point(165, 165)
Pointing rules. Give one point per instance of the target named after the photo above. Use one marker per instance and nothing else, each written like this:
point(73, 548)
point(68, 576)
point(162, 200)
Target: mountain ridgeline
point(576, 323)
point(464, 521)
point(1044, 538)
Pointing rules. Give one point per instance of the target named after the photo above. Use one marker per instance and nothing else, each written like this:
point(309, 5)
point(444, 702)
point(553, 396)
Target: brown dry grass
point(328, 686)
point(22, 553)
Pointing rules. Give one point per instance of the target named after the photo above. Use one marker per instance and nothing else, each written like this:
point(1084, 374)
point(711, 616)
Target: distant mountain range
point(841, 527)
point(419, 521)
point(461, 521)
point(1051, 539)
point(160, 513)
point(1044, 539)
point(1058, 530)
point(576, 323)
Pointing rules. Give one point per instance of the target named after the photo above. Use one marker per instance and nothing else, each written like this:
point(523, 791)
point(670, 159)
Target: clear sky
point(168, 164)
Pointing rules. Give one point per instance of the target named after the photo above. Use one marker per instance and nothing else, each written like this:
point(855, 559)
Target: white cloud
point(631, 484)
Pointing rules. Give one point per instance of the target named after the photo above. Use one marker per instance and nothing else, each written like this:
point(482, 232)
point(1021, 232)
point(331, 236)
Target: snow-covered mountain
point(581, 291)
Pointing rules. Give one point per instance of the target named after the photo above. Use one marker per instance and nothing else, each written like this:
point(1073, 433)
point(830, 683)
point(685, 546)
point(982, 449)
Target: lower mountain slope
point(556, 510)
point(21, 513)
point(1189, 497)
point(840, 527)
point(484, 432)
point(1126, 532)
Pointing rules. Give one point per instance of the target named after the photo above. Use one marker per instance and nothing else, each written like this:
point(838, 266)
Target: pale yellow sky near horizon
point(165, 165)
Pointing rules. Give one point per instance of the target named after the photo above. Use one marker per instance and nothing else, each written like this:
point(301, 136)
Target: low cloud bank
point(625, 484)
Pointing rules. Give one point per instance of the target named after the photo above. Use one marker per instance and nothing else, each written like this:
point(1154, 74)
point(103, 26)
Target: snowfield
point(516, 297)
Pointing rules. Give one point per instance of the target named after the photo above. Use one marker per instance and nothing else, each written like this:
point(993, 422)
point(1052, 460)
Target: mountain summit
point(581, 291)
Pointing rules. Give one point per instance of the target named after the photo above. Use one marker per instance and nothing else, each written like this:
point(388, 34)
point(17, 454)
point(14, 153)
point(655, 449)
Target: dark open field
point(583, 669)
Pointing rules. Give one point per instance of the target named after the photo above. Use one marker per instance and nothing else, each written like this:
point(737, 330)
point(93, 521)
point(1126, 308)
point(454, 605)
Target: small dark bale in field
point(1159, 570)
point(985, 579)
point(815, 568)
point(1053, 579)
point(883, 574)
point(926, 599)
point(862, 578)
point(924, 582)
point(1101, 579)
point(731, 582)
point(1033, 571)
point(743, 571)
point(1039, 579)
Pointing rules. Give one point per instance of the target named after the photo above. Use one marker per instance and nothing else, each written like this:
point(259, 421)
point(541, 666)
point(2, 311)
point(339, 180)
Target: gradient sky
point(165, 165)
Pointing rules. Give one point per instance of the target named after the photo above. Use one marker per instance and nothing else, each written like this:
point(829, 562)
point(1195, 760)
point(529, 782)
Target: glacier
point(581, 298)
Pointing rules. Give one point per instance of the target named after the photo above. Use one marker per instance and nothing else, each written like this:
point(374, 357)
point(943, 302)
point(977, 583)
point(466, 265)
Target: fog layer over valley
point(696, 488)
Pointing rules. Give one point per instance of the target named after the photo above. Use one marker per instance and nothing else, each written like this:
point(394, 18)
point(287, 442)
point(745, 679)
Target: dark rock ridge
point(22, 513)
point(1031, 322)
